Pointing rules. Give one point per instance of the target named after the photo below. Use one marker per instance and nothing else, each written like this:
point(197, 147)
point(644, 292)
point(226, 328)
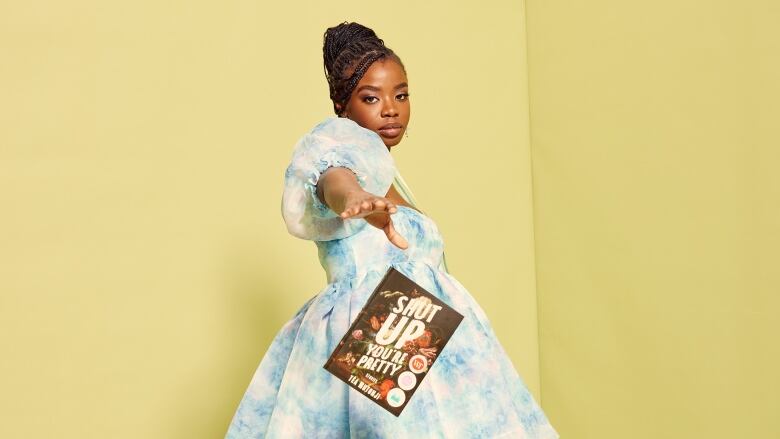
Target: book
point(393, 342)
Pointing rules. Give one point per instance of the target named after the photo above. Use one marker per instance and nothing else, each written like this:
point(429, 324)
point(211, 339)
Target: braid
point(348, 51)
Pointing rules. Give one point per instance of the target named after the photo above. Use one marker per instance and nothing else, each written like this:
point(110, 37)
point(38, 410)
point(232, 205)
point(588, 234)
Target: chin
point(391, 143)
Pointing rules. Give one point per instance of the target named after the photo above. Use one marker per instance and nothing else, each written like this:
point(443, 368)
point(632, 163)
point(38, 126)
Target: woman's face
point(380, 101)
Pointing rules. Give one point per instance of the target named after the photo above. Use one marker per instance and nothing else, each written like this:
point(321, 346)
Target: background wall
point(656, 205)
point(144, 264)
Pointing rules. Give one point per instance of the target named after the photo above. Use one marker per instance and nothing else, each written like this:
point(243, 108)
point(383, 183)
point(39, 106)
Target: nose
point(389, 110)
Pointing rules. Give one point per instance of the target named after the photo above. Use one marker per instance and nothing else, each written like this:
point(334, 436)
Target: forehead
point(383, 74)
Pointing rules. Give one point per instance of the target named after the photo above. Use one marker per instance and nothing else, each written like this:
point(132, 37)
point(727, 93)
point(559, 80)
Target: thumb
point(394, 237)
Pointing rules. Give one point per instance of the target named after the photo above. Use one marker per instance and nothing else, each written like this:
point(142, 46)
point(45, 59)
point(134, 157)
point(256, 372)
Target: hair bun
point(341, 36)
point(348, 50)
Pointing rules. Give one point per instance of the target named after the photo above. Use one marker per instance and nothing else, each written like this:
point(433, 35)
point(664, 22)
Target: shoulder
point(341, 139)
point(334, 131)
point(341, 128)
point(332, 142)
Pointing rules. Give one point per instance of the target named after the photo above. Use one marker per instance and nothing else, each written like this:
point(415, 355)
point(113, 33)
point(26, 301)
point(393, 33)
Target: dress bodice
point(369, 248)
point(349, 248)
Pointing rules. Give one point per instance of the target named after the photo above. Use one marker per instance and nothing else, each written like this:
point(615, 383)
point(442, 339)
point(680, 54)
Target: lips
point(391, 129)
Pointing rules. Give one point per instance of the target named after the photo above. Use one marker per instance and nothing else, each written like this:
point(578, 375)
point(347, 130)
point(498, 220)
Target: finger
point(350, 212)
point(380, 204)
point(394, 237)
point(369, 207)
point(366, 207)
point(357, 211)
point(384, 204)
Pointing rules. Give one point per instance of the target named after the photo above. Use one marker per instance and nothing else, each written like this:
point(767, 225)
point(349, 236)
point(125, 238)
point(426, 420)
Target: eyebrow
point(401, 85)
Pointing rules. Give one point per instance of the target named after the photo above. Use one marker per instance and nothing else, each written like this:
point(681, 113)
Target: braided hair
point(348, 51)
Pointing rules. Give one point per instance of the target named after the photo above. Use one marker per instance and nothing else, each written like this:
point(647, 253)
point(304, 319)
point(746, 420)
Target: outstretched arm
point(339, 189)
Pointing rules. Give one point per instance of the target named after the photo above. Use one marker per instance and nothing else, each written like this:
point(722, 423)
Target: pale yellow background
point(145, 268)
point(657, 216)
point(144, 264)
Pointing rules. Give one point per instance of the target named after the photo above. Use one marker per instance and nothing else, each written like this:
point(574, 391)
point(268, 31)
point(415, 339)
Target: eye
point(404, 96)
point(366, 99)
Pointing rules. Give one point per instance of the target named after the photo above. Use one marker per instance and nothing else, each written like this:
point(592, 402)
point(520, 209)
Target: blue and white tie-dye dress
point(471, 391)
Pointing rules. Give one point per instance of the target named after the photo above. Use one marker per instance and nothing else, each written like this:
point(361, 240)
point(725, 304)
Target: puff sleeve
point(334, 142)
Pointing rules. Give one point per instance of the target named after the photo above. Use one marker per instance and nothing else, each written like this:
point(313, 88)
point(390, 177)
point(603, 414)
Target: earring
point(406, 133)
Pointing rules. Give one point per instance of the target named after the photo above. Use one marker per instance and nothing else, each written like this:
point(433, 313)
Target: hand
point(376, 211)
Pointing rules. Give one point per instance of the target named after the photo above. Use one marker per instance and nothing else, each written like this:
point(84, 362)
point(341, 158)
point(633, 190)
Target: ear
point(340, 109)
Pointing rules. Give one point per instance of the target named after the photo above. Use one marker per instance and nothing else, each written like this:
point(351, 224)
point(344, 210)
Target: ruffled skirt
point(471, 391)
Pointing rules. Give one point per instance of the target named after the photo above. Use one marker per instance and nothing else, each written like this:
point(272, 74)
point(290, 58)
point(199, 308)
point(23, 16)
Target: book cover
point(393, 342)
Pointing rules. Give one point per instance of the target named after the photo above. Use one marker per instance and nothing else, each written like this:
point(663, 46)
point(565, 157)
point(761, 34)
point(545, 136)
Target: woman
point(339, 193)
